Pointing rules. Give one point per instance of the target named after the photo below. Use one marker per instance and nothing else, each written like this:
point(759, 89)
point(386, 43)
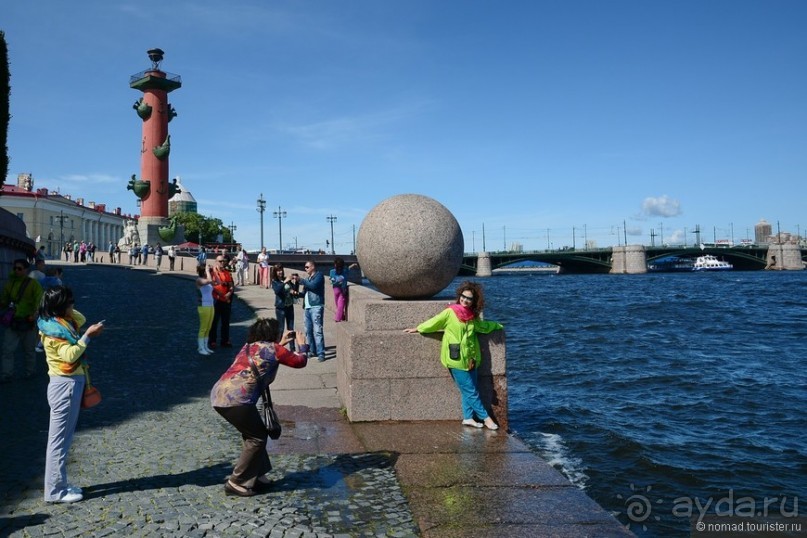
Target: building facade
point(55, 219)
point(762, 232)
point(182, 202)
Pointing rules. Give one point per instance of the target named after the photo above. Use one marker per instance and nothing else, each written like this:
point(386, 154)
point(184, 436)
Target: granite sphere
point(410, 246)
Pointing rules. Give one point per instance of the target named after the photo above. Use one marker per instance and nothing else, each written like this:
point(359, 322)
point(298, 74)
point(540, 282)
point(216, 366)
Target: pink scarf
point(464, 313)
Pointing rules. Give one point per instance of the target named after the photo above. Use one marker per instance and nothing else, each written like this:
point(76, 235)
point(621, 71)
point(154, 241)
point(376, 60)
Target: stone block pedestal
point(629, 260)
point(385, 374)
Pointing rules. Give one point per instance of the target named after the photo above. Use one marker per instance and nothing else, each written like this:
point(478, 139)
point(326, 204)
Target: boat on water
point(707, 262)
point(672, 264)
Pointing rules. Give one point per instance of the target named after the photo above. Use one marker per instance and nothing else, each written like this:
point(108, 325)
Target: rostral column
point(153, 188)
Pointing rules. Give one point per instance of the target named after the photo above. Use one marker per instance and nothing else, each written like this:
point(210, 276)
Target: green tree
point(5, 116)
point(209, 227)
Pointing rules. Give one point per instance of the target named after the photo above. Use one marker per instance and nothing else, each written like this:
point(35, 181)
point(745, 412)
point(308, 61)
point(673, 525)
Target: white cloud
point(678, 237)
point(346, 130)
point(89, 178)
point(663, 206)
point(633, 230)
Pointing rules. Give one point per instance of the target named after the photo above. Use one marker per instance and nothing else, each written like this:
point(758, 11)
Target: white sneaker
point(74, 489)
point(472, 422)
point(69, 497)
point(490, 424)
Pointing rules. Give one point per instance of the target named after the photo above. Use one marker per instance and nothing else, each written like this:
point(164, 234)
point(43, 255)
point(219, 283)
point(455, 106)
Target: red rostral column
point(153, 188)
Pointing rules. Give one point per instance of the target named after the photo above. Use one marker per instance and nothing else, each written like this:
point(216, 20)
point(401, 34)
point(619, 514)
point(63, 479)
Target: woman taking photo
point(459, 351)
point(59, 325)
point(236, 394)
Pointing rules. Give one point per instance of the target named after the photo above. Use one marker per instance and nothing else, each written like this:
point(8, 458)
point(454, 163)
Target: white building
point(56, 219)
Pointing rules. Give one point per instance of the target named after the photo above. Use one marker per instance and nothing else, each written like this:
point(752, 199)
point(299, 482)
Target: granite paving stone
point(152, 458)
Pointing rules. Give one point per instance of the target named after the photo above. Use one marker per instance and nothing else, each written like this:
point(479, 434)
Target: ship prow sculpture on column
point(410, 247)
point(152, 188)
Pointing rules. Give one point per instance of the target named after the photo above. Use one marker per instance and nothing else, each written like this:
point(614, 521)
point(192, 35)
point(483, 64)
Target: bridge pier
point(629, 260)
point(784, 257)
point(483, 265)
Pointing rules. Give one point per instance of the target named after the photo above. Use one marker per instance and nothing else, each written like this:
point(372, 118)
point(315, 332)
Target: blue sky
point(546, 122)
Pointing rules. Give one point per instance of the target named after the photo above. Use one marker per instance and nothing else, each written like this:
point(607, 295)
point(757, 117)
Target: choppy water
point(659, 394)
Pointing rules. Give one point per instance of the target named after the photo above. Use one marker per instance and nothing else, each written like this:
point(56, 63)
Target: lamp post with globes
point(279, 215)
point(232, 228)
point(332, 219)
point(261, 209)
point(61, 218)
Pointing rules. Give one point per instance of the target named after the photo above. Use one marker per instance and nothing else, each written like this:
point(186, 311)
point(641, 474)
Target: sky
point(546, 124)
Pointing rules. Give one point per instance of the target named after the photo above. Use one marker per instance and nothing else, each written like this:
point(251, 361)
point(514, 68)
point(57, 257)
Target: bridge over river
point(630, 259)
point(634, 258)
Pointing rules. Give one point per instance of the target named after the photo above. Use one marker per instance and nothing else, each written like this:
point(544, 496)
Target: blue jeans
point(313, 330)
point(285, 315)
point(467, 383)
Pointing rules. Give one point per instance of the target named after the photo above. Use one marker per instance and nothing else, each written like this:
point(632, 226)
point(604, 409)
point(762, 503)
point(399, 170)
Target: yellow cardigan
point(64, 358)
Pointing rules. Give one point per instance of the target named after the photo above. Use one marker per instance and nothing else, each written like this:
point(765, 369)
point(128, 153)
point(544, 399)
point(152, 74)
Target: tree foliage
point(210, 228)
point(5, 116)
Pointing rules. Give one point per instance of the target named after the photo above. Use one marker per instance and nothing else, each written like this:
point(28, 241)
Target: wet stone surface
point(152, 458)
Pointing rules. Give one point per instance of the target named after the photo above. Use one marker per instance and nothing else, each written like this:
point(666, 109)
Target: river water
point(662, 394)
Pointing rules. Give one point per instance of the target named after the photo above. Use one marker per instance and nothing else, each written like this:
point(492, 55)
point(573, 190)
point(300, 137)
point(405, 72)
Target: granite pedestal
point(385, 374)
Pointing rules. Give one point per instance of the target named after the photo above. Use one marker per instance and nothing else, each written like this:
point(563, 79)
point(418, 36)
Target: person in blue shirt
point(201, 258)
point(314, 305)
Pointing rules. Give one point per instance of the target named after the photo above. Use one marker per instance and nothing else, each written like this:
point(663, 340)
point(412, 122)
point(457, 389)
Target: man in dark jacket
point(314, 287)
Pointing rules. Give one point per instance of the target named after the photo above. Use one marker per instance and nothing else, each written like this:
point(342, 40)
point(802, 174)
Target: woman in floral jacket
point(236, 394)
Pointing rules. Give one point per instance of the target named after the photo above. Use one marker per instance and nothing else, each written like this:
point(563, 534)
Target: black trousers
point(221, 314)
point(254, 461)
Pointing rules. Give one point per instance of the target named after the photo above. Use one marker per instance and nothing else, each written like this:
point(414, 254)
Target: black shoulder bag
point(269, 415)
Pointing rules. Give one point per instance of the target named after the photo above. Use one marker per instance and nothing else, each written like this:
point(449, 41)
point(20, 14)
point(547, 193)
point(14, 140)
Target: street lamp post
point(332, 219)
point(61, 218)
point(279, 215)
point(261, 209)
point(232, 228)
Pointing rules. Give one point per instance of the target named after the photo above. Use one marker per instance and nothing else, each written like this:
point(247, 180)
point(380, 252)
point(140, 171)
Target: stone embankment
point(153, 456)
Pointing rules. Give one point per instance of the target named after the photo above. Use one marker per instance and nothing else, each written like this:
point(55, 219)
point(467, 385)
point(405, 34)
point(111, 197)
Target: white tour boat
point(708, 262)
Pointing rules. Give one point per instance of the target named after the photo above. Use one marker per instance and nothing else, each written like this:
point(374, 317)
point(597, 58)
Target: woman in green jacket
point(459, 351)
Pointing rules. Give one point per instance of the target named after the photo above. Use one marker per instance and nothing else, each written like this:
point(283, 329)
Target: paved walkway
point(153, 457)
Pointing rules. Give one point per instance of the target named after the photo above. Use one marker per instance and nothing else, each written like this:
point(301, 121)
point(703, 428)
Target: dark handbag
point(7, 317)
point(269, 415)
